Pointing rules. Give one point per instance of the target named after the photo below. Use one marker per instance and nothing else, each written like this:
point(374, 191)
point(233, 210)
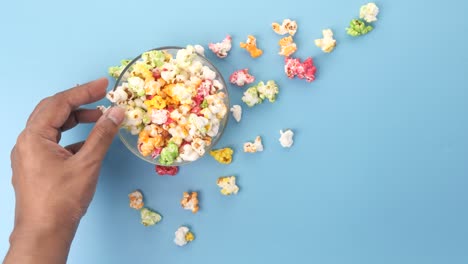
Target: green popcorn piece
point(251, 97)
point(154, 58)
point(169, 154)
point(204, 104)
point(358, 27)
point(115, 71)
point(149, 218)
point(268, 90)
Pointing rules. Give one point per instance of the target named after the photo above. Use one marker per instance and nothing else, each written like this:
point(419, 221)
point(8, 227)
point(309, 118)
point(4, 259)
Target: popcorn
point(136, 85)
point(237, 112)
point(156, 102)
point(223, 156)
point(183, 236)
point(149, 218)
point(369, 12)
point(327, 43)
point(190, 202)
point(286, 138)
point(358, 27)
point(115, 71)
point(228, 185)
point(154, 58)
point(136, 200)
point(287, 46)
point(251, 46)
point(255, 146)
point(167, 170)
point(159, 116)
point(221, 49)
point(287, 26)
point(169, 154)
point(251, 97)
point(102, 108)
point(199, 49)
point(119, 95)
point(268, 90)
point(305, 70)
point(199, 145)
point(188, 153)
point(241, 77)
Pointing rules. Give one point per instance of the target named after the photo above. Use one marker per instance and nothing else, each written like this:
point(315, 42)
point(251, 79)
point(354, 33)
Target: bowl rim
point(222, 128)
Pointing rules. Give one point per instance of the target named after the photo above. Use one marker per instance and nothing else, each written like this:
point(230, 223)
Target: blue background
point(378, 171)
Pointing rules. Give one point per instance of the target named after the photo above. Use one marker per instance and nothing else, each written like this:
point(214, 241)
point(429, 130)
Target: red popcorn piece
point(156, 73)
point(221, 49)
point(167, 170)
point(205, 88)
point(304, 70)
point(241, 77)
point(156, 153)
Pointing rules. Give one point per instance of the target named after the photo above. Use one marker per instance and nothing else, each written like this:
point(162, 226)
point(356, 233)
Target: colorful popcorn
point(136, 200)
point(237, 112)
point(256, 94)
point(327, 43)
point(167, 170)
point(221, 49)
point(228, 185)
point(286, 138)
point(287, 46)
point(190, 202)
point(223, 156)
point(149, 218)
point(251, 97)
point(117, 70)
point(241, 77)
point(183, 236)
point(251, 46)
point(304, 70)
point(369, 12)
point(252, 147)
point(287, 26)
point(358, 27)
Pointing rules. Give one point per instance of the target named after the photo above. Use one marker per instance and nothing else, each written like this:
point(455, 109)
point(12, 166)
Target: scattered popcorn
point(251, 97)
point(183, 236)
point(287, 26)
point(149, 218)
point(327, 43)
point(223, 156)
point(286, 138)
point(221, 49)
point(252, 147)
point(287, 46)
point(251, 46)
point(369, 12)
point(358, 27)
point(304, 70)
point(136, 200)
point(236, 112)
point(190, 202)
point(256, 94)
point(167, 170)
point(228, 185)
point(241, 77)
point(115, 71)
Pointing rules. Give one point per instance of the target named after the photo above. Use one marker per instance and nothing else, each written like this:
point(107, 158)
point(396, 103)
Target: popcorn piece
point(154, 58)
point(241, 77)
point(119, 95)
point(188, 153)
point(221, 49)
point(236, 112)
point(268, 90)
point(251, 46)
point(228, 185)
point(286, 138)
point(199, 49)
point(223, 156)
point(287, 26)
point(136, 200)
point(369, 12)
point(149, 218)
point(255, 146)
point(169, 154)
point(251, 97)
point(115, 71)
point(305, 70)
point(190, 202)
point(183, 236)
point(327, 43)
point(167, 170)
point(287, 46)
point(358, 27)
point(102, 108)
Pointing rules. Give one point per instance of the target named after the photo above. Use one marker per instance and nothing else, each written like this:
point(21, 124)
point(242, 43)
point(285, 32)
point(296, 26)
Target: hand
point(53, 184)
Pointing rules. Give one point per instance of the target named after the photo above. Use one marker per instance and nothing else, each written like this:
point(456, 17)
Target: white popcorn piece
point(286, 138)
point(327, 43)
point(159, 116)
point(188, 153)
point(252, 147)
point(369, 12)
point(228, 185)
point(183, 236)
point(199, 49)
point(236, 112)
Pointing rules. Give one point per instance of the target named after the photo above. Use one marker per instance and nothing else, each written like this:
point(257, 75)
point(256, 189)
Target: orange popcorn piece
point(251, 46)
point(287, 46)
point(190, 202)
point(136, 200)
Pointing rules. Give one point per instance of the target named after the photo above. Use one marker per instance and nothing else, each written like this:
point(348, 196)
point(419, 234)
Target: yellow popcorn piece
point(287, 46)
point(327, 43)
point(223, 156)
point(189, 237)
point(156, 102)
point(228, 185)
point(141, 70)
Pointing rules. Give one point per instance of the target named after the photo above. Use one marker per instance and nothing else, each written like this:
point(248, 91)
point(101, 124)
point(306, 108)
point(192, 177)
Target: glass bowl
point(131, 141)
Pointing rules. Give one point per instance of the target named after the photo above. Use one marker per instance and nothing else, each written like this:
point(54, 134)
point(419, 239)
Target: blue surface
point(378, 172)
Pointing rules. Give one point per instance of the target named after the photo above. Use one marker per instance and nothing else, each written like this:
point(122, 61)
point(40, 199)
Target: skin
point(54, 185)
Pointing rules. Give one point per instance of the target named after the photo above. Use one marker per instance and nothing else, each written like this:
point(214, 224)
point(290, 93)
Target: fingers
point(74, 148)
point(53, 112)
point(81, 116)
point(100, 138)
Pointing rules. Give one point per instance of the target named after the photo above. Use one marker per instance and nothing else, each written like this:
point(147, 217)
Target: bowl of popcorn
point(175, 103)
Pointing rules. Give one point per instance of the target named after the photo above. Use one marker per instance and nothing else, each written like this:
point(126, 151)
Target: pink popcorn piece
point(222, 48)
point(304, 70)
point(241, 77)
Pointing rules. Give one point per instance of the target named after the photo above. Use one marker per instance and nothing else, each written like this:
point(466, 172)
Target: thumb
point(100, 138)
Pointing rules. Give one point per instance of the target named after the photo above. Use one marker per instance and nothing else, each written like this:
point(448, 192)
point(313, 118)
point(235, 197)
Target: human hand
point(53, 184)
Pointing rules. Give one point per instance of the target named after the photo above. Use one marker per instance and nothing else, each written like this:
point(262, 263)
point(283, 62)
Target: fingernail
point(116, 115)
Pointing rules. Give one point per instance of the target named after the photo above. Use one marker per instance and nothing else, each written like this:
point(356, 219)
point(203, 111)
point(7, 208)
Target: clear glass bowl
point(131, 141)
